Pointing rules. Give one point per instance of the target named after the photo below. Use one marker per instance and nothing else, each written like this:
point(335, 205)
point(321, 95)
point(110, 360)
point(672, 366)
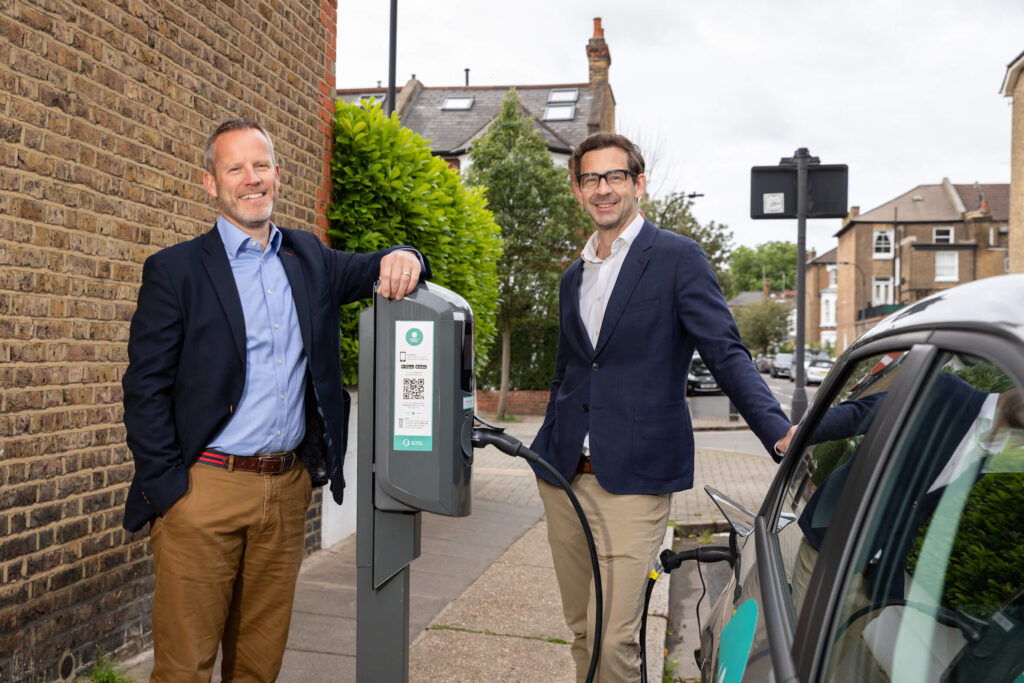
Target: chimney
point(598, 56)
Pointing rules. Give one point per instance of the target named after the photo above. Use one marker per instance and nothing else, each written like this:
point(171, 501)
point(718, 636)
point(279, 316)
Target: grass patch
point(105, 670)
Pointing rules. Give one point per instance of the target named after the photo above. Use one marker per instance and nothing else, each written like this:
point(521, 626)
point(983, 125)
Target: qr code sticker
point(412, 389)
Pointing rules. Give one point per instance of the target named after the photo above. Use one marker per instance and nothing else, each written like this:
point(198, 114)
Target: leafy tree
point(673, 213)
point(773, 260)
point(763, 325)
point(541, 223)
point(389, 189)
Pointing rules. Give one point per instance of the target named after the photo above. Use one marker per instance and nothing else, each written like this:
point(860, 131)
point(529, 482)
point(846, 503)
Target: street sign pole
point(799, 405)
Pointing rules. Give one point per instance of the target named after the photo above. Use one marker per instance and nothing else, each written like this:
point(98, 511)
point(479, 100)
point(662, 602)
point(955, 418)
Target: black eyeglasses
point(617, 178)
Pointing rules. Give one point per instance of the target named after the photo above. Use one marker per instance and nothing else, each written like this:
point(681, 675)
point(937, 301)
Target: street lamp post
point(863, 285)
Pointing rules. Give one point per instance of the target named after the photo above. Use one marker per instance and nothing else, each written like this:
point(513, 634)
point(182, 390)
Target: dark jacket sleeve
point(154, 349)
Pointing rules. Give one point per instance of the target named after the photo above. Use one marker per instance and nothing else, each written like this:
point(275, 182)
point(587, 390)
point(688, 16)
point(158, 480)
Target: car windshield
point(697, 367)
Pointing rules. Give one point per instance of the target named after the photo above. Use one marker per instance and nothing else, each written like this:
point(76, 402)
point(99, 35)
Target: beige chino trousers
point(628, 531)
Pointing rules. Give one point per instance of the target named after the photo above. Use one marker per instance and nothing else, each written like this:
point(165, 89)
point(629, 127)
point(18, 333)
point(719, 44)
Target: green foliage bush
point(532, 362)
point(389, 189)
point(986, 561)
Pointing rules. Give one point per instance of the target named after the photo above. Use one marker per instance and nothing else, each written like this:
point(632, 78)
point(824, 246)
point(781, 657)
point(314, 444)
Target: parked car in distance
point(699, 379)
point(782, 364)
point(888, 546)
point(763, 363)
point(809, 357)
point(817, 371)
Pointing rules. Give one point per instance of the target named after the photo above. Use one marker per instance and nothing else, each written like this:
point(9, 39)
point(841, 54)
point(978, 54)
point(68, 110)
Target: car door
point(778, 560)
point(920, 575)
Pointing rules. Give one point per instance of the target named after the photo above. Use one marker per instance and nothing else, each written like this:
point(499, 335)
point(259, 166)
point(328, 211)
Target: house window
point(559, 112)
point(832, 276)
point(947, 266)
point(882, 294)
point(564, 95)
point(942, 235)
point(882, 248)
point(828, 310)
point(457, 104)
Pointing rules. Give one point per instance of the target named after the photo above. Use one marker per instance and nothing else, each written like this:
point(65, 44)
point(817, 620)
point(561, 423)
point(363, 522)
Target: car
point(809, 357)
point(782, 364)
point(699, 379)
point(818, 370)
point(890, 545)
point(763, 363)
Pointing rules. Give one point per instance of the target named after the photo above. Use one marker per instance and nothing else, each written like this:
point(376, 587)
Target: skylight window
point(457, 104)
point(559, 112)
point(564, 95)
point(378, 98)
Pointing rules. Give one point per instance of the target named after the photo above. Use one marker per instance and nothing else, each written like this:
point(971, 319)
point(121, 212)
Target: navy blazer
point(630, 391)
point(186, 360)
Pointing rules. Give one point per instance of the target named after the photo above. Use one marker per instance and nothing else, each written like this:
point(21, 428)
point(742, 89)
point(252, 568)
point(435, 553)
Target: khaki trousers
point(628, 531)
point(226, 557)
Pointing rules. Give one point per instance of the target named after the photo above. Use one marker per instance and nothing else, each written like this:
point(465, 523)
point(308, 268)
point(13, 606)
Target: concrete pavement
point(484, 604)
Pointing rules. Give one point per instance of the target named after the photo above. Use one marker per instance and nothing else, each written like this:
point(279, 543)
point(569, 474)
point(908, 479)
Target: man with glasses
point(632, 311)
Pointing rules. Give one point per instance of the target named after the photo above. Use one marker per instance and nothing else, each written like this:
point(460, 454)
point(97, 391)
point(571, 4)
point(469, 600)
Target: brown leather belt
point(585, 466)
point(274, 463)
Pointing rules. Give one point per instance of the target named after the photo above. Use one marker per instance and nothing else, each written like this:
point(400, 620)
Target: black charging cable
point(492, 435)
point(669, 561)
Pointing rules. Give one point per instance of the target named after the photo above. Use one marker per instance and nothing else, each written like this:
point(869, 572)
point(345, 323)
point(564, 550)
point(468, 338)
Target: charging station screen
point(414, 385)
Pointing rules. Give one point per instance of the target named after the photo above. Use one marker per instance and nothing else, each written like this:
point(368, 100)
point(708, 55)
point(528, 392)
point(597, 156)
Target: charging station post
point(415, 453)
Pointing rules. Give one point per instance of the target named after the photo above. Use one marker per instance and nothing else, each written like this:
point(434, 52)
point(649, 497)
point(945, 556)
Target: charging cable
point(493, 435)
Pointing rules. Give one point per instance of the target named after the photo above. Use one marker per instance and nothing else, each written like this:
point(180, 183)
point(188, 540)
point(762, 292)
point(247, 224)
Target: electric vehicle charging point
point(415, 453)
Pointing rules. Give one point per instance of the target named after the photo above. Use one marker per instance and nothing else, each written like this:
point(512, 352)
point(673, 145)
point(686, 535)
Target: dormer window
point(942, 235)
point(559, 112)
point(457, 104)
point(563, 95)
point(373, 98)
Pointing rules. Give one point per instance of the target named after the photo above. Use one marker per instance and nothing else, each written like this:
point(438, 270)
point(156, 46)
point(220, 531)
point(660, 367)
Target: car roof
point(992, 303)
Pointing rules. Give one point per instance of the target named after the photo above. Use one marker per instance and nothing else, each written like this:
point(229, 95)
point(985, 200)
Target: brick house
point(820, 277)
point(452, 117)
point(1013, 87)
point(105, 106)
point(927, 239)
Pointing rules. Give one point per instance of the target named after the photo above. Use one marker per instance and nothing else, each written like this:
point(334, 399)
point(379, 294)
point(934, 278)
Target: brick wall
point(104, 105)
point(519, 402)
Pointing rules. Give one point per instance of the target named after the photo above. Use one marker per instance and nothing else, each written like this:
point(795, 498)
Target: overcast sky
point(904, 92)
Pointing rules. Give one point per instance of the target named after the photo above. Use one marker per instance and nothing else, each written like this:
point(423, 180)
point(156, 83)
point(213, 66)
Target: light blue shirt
point(269, 418)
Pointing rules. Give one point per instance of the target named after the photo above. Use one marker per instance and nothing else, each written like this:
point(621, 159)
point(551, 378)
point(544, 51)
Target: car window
point(935, 591)
point(817, 480)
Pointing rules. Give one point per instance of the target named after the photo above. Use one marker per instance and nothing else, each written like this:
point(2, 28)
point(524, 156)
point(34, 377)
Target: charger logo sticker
point(414, 385)
point(737, 637)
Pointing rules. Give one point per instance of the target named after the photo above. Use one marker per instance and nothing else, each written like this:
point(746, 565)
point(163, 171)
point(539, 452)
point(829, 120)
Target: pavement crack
point(442, 627)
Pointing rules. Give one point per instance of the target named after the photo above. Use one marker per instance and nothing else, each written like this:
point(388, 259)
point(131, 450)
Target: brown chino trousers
point(226, 557)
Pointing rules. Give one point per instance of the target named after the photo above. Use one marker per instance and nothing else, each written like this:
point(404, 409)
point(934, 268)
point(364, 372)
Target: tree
point(389, 189)
point(763, 325)
point(773, 260)
point(673, 213)
point(541, 223)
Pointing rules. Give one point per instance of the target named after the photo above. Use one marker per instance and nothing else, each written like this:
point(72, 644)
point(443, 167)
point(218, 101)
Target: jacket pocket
point(660, 434)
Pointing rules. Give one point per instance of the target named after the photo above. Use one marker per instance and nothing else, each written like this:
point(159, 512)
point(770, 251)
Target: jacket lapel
point(632, 268)
point(215, 260)
point(293, 269)
point(575, 314)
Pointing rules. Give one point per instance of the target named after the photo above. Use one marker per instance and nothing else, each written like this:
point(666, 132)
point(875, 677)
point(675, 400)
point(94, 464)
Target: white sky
point(904, 92)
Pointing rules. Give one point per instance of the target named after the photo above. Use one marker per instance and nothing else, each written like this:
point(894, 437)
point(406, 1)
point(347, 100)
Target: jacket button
point(594, 366)
point(586, 408)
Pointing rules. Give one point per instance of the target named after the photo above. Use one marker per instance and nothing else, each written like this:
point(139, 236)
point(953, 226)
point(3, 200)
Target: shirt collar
point(235, 239)
point(623, 240)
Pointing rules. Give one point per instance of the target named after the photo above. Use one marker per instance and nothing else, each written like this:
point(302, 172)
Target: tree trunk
point(506, 364)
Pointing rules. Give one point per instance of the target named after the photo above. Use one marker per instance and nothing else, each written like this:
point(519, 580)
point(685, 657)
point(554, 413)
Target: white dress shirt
point(599, 276)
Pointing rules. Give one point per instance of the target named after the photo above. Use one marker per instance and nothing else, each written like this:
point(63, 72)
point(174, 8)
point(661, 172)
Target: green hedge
point(389, 189)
